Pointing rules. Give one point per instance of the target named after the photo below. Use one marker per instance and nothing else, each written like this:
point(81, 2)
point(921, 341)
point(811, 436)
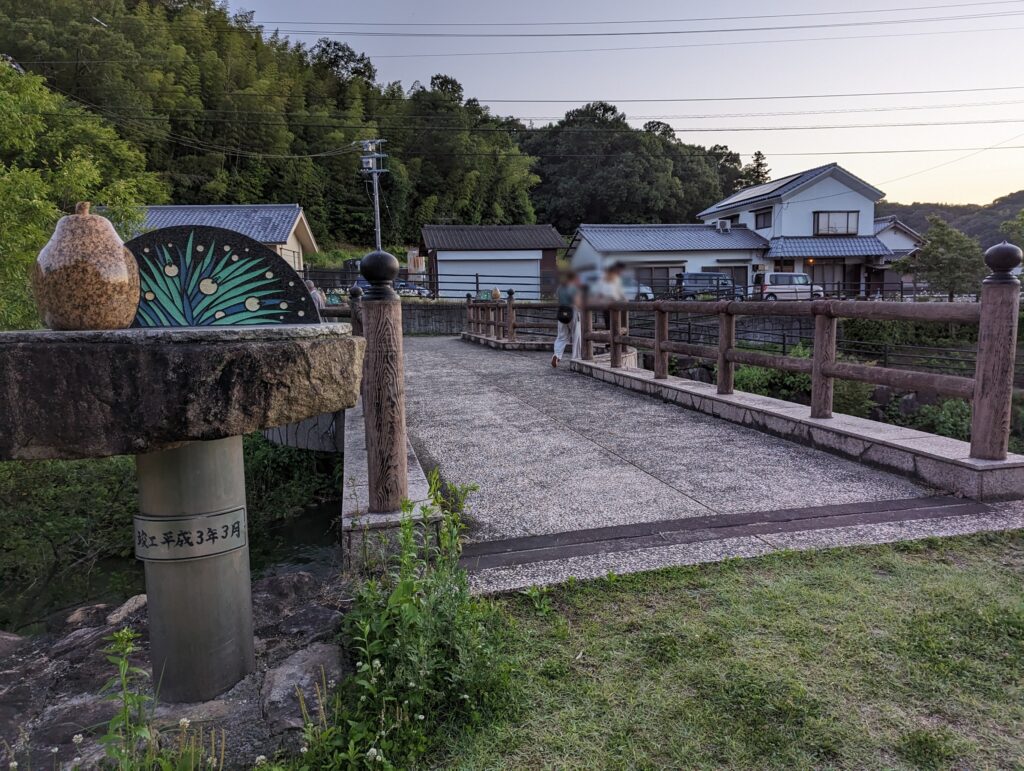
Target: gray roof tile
point(268, 223)
point(669, 238)
point(491, 237)
point(789, 247)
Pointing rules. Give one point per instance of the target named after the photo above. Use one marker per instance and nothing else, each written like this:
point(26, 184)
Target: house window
point(762, 219)
point(836, 223)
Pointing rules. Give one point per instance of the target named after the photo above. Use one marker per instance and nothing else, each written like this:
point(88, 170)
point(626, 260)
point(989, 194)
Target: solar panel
point(758, 190)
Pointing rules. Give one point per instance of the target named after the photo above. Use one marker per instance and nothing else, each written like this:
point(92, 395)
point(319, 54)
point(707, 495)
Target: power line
point(632, 21)
point(611, 49)
point(648, 100)
point(631, 33)
point(710, 44)
point(290, 116)
point(634, 33)
point(406, 126)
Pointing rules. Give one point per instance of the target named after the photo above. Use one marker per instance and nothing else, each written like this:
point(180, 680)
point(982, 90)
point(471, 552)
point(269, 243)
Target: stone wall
point(433, 318)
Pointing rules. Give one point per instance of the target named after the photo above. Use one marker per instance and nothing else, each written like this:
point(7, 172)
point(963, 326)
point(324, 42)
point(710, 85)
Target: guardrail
point(990, 390)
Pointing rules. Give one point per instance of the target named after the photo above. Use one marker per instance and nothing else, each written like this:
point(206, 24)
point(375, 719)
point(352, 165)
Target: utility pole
point(372, 161)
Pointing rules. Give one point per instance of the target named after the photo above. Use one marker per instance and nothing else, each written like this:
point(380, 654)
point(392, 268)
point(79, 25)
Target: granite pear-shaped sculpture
point(85, 278)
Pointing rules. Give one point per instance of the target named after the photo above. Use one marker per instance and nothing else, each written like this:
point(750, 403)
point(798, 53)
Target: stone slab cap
point(129, 391)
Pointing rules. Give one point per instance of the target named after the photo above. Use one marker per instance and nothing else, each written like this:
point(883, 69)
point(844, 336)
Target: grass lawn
point(903, 656)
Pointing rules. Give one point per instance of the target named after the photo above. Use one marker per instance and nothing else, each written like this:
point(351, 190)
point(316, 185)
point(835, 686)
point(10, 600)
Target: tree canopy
point(227, 112)
point(950, 261)
point(53, 153)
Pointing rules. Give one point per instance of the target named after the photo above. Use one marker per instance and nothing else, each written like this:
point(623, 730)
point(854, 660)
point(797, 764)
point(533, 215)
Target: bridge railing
point(990, 390)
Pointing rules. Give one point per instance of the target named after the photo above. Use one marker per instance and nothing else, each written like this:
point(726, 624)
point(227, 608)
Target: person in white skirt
point(568, 315)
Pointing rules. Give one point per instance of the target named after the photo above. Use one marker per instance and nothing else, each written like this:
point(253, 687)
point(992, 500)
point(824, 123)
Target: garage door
point(456, 277)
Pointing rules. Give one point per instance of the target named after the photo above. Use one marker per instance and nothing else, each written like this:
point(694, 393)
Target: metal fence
point(456, 286)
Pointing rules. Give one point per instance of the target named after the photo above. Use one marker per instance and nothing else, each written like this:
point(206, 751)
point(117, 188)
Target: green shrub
point(849, 397)
point(429, 658)
point(951, 417)
point(61, 519)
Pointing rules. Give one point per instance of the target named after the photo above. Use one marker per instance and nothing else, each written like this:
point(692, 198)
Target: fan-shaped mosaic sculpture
point(203, 276)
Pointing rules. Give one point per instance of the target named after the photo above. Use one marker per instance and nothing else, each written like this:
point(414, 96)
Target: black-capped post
point(997, 344)
point(384, 384)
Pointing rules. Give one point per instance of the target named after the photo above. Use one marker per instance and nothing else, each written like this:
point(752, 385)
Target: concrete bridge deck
point(556, 453)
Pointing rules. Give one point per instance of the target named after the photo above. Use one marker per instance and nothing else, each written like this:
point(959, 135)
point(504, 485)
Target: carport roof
point(491, 237)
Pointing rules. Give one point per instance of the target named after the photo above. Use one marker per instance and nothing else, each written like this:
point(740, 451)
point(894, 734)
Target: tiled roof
point(269, 223)
point(750, 197)
point(788, 247)
point(881, 223)
point(669, 238)
point(487, 237)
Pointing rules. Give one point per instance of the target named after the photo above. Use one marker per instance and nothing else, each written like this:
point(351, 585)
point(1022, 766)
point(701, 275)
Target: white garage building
point(463, 259)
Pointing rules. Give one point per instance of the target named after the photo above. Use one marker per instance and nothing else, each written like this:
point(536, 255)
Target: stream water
point(308, 541)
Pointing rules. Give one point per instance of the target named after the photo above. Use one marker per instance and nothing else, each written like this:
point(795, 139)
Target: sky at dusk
point(979, 48)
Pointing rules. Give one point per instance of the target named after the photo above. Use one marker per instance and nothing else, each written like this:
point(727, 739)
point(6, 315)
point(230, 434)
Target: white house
point(902, 240)
point(463, 259)
point(656, 253)
point(281, 227)
point(820, 221)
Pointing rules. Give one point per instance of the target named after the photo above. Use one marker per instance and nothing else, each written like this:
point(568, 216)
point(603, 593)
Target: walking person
point(610, 288)
point(568, 316)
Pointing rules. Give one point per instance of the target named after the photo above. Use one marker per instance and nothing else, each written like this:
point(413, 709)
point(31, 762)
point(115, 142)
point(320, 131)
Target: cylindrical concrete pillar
point(192, 535)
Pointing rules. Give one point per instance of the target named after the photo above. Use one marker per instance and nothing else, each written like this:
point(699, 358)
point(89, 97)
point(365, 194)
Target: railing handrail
point(990, 390)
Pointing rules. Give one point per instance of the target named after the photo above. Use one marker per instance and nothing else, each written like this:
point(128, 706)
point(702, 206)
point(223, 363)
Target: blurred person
point(568, 315)
point(610, 288)
point(319, 298)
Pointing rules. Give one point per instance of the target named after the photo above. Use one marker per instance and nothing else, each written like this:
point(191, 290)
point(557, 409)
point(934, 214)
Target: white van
point(785, 286)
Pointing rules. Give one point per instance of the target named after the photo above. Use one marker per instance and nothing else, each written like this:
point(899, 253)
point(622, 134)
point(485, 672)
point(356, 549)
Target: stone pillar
point(997, 345)
point(191, 534)
point(384, 385)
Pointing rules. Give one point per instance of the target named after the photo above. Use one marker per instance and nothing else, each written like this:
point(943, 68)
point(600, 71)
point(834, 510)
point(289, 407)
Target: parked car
point(717, 286)
point(785, 286)
point(634, 290)
point(410, 289)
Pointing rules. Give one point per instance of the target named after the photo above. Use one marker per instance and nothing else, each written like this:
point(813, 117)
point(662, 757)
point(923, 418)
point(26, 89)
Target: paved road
point(553, 451)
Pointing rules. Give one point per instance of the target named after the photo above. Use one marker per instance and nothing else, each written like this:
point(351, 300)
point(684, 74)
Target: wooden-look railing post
point(510, 315)
point(499, 312)
point(660, 336)
point(997, 345)
point(586, 327)
point(615, 333)
point(726, 341)
point(384, 385)
point(825, 326)
point(355, 304)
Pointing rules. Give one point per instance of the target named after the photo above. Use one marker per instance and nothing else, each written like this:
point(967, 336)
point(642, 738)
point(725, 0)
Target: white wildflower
point(304, 750)
point(76, 760)
point(54, 750)
point(184, 723)
point(376, 663)
point(420, 717)
point(211, 761)
point(371, 753)
point(13, 765)
point(78, 738)
point(261, 759)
